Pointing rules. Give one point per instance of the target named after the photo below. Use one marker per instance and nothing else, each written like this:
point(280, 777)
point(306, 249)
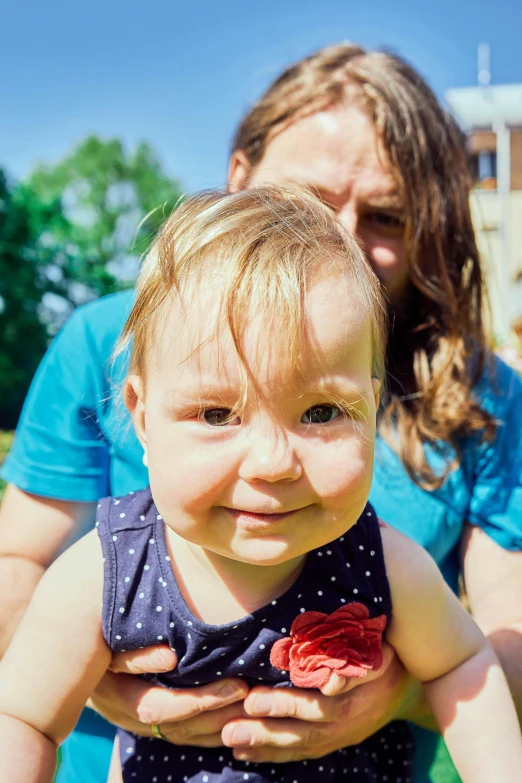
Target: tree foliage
point(22, 285)
point(68, 234)
point(111, 204)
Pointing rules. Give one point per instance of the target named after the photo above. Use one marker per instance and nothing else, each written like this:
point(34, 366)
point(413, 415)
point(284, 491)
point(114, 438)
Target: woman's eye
point(218, 417)
point(385, 220)
point(320, 414)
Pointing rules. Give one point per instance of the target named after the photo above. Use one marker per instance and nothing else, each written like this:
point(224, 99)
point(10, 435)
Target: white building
point(492, 118)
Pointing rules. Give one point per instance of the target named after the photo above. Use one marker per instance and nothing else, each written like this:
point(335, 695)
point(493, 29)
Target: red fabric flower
point(348, 641)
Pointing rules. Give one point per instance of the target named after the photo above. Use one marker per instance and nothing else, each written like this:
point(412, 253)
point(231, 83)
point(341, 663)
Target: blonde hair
point(438, 350)
point(262, 248)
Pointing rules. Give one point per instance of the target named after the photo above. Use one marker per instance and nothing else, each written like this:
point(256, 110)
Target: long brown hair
point(438, 349)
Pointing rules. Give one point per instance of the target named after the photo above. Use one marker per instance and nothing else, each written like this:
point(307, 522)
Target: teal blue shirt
point(75, 442)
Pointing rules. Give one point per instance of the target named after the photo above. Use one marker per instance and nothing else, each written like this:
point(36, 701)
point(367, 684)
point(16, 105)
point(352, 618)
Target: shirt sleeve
point(59, 450)
point(496, 502)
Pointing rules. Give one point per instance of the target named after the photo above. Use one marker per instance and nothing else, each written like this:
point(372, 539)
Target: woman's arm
point(33, 530)
point(56, 658)
point(493, 580)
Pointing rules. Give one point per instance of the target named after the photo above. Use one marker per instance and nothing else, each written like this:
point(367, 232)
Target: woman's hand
point(289, 725)
point(192, 716)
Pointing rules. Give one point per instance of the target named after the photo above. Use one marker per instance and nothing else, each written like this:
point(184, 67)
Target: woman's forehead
point(335, 150)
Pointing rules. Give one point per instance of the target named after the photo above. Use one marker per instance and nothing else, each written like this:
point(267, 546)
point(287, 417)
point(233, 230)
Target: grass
point(5, 445)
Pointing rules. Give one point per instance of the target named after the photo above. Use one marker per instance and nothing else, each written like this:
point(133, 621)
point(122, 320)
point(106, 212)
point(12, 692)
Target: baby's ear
point(134, 397)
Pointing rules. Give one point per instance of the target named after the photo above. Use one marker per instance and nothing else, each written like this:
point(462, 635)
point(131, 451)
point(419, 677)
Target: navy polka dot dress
point(142, 606)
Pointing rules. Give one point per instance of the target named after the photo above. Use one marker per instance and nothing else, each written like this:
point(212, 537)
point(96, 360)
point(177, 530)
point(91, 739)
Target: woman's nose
point(270, 456)
point(349, 218)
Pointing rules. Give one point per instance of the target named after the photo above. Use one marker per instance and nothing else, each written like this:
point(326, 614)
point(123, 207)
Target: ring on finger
point(157, 731)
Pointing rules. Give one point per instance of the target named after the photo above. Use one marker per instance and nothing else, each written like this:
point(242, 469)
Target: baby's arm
point(439, 644)
point(55, 660)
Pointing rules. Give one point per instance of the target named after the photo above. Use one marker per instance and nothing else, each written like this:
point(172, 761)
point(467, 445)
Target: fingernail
point(168, 659)
point(240, 736)
point(230, 691)
point(260, 704)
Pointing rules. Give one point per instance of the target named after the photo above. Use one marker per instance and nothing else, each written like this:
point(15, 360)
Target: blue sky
point(179, 75)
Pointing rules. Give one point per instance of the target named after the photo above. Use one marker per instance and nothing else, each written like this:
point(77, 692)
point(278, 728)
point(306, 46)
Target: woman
point(366, 133)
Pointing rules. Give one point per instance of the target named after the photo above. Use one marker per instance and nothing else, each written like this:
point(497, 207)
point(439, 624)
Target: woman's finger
point(159, 658)
point(159, 705)
point(122, 698)
point(207, 724)
point(293, 703)
point(273, 733)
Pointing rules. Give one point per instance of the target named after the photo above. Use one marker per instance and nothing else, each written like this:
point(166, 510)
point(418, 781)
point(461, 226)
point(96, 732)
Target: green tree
point(111, 204)
point(22, 285)
point(70, 233)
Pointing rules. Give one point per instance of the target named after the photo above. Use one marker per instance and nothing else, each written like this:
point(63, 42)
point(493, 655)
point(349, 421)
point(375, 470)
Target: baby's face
point(293, 470)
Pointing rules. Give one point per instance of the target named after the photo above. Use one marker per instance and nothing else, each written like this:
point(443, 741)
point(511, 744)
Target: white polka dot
point(127, 579)
point(261, 664)
point(131, 551)
point(343, 600)
point(122, 516)
point(319, 554)
point(99, 505)
point(274, 603)
point(142, 518)
point(189, 622)
point(348, 565)
point(200, 758)
point(129, 750)
point(167, 558)
point(189, 636)
point(241, 662)
point(118, 637)
point(355, 590)
point(160, 638)
point(375, 599)
point(205, 778)
point(138, 625)
point(361, 546)
point(300, 595)
point(328, 551)
point(121, 609)
point(151, 541)
point(146, 567)
point(302, 610)
point(159, 608)
point(218, 674)
point(332, 579)
point(171, 625)
point(115, 538)
point(141, 595)
point(246, 776)
point(116, 502)
point(372, 553)
point(319, 592)
point(367, 573)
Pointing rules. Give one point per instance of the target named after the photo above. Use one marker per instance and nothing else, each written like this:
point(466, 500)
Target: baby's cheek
point(347, 479)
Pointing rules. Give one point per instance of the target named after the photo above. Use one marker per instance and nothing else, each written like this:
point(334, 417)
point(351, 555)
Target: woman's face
point(340, 156)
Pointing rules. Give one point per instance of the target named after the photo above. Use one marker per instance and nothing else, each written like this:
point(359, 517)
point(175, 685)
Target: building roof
point(482, 107)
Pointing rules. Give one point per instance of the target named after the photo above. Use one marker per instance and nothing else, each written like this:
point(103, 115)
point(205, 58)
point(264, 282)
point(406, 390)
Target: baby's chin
point(268, 552)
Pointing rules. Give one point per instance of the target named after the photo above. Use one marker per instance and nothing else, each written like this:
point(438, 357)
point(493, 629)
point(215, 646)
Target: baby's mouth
point(263, 518)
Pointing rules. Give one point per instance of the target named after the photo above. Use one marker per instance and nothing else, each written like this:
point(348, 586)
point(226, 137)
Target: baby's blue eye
point(320, 414)
point(217, 417)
